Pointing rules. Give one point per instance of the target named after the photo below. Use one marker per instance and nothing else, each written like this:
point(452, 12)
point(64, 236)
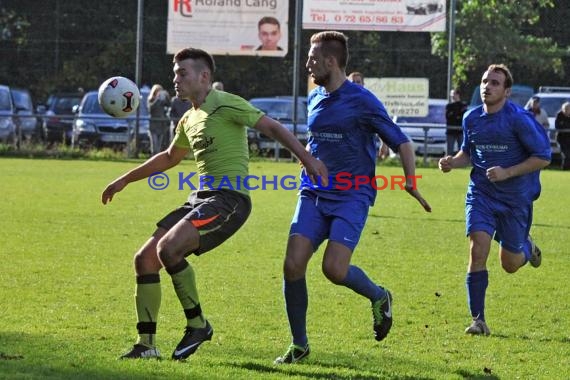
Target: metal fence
point(429, 140)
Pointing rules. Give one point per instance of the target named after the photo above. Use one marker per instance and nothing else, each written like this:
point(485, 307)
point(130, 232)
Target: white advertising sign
point(234, 27)
point(401, 96)
point(384, 15)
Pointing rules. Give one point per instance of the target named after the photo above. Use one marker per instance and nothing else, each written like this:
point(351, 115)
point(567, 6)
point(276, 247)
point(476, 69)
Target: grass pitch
point(67, 285)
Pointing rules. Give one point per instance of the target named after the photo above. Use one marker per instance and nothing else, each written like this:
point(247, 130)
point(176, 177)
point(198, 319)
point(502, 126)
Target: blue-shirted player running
point(507, 148)
point(343, 119)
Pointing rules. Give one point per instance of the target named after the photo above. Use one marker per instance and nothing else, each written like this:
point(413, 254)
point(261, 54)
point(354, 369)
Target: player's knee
point(510, 267)
point(168, 256)
point(146, 261)
point(333, 274)
point(293, 269)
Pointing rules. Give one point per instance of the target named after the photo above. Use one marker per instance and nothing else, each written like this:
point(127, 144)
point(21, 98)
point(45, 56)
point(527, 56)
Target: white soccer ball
point(119, 96)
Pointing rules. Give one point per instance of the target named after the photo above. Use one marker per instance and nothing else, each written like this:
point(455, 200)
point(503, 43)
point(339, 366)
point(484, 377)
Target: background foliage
point(60, 45)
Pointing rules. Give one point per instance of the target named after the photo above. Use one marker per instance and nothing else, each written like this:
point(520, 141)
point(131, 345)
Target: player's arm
point(408, 157)
point(531, 164)
point(276, 131)
point(157, 163)
point(460, 160)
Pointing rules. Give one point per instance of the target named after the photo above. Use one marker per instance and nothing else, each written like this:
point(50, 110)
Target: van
point(520, 94)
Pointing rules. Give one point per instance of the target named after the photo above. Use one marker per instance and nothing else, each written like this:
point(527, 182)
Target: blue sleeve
point(377, 118)
point(533, 136)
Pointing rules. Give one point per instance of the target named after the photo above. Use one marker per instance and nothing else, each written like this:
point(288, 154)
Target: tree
point(497, 31)
point(13, 26)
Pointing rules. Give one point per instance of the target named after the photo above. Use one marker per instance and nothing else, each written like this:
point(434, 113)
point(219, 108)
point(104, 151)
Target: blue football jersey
point(504, 138)
point(342, 125)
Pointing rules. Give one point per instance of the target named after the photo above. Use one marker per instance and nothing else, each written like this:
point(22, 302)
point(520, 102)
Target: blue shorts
point(317, 219)
point(509, 225)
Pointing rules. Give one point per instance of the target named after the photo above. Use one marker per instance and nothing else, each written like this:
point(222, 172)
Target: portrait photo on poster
point(255, 28)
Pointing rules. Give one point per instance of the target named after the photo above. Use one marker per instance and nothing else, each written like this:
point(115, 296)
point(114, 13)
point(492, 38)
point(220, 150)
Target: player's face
point(493, 89)
point(269, 35)
point(316, 64)
point(188, 80)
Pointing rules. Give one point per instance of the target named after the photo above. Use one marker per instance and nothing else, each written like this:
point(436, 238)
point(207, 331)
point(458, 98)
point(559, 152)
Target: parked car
point(27, 119)
point(519, 94)
point(551, 100)
point(427, 133)
point(424, 7)
point(279, 108)
point(93, 127)
point(57, 123)
point(7, 110)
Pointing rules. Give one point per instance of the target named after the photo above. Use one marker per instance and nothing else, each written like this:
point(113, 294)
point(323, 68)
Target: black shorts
point(216, 214)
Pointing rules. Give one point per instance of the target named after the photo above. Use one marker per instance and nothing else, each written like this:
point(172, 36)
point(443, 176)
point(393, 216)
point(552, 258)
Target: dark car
point(57, 122)
point(7, 111)
point(93, 127)
point(27, 119)
point(279, 108)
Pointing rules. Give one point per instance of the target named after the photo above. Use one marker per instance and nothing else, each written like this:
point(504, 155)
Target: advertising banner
point(232, 27)
point(402, 96)
point(379, 15)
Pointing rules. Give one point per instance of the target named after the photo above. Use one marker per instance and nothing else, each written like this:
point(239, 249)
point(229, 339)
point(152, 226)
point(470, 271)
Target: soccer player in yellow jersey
point(214, 129)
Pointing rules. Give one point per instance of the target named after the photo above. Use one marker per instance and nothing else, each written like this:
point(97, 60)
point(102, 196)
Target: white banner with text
point(379, 15)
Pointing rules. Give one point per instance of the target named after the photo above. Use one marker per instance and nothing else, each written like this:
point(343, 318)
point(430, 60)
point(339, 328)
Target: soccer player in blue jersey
point(343, 118)
point(507, 148)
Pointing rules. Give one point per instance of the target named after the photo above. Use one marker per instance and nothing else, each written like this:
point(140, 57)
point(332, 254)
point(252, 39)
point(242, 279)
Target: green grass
point(67, 285)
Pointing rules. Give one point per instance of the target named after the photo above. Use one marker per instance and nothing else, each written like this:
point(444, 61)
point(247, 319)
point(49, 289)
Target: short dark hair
point(334, 44)
point(268, 20)
point(356, 74)
point(197, 55)
point(501, 68)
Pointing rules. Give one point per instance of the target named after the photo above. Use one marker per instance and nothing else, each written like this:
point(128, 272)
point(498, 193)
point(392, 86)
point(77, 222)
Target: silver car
point(28, 122)
point(279, 108)
point(92, 127)
point(427, 133)
point(7, 111)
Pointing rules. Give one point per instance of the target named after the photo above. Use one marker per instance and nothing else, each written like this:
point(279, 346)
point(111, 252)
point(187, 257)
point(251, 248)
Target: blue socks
point(359, 282)
point(297, 299)
point(476, 283)
point(296, 304)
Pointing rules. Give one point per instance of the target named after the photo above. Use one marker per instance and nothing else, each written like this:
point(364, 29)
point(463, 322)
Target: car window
point(91, 105)
point(64, 105)
point(22, 100)
point(553, 105)
point(282, 110)
point(5, 101)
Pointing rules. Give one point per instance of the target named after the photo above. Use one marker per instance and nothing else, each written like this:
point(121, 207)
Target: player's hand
point(445, 164)
point(414, 192)
point(317, 171)
point(383, 152)
point(111, 189)
point(496, 174)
